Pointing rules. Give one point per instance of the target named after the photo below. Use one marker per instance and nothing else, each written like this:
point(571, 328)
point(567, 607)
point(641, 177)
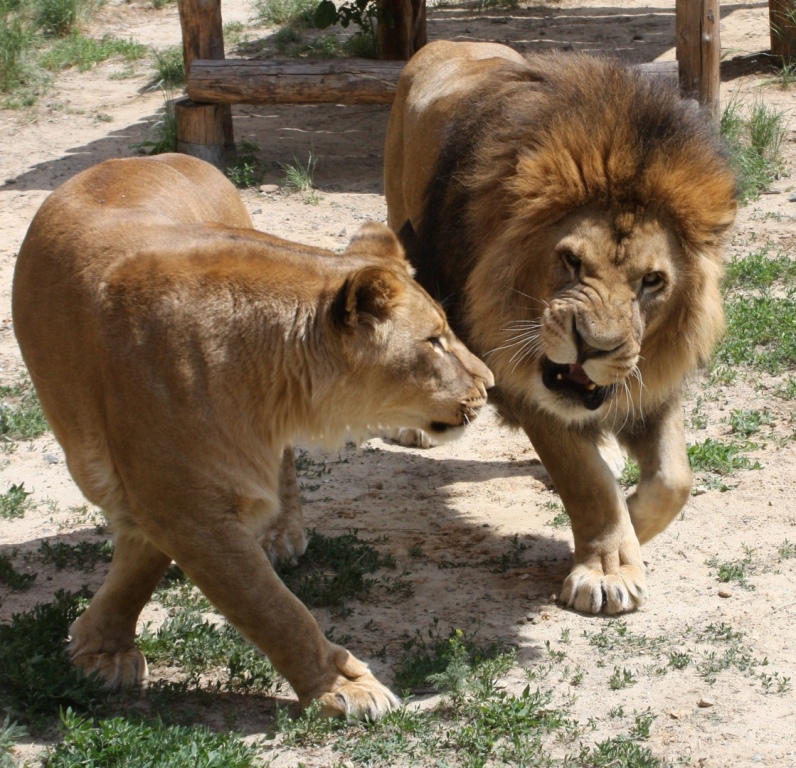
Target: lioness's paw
point(355, 692)
point(284, 541)
point(410, 438)
point(358, 699)
point(591, 590)
point(122, 669)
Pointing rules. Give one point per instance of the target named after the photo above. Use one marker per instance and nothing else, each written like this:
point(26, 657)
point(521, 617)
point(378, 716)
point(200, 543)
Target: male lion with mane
point(177, 352)
point(570, 213)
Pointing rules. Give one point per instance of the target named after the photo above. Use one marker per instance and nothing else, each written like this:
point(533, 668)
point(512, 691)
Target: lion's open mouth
point(571, 379)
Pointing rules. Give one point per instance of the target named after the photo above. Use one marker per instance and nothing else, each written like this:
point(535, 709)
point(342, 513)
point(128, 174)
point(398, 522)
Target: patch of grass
point(21, 415)
point(621, 678)
point(736, 571)
point(755, 141)
point(14, 502)
point(282, 12)
point(334, 570)
point(36, 676)
point(59, 18)
point(199, 646)
point(248, 169)
point(631, 474)
point(561, 518)
point(16, 40)
point(163, 133)
point(83, 556)
point(10, 734)
point(292, 42)
point(138, 744)
point(170, 67)
point(746, 422)
point(299, 177)
point(85, 52)
point(11, 578)
point(759, 270)
point(720, 458)
point(786, 550)
point(427, 655)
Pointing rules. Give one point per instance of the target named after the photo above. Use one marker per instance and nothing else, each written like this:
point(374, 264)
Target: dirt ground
point(487, 495)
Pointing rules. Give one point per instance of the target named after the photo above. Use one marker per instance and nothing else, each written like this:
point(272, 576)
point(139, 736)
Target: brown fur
point(570, 213)
point(177, 352)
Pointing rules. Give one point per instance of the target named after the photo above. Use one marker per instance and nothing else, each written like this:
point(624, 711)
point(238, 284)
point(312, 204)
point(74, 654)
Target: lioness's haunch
point(571, 212)
point(177, 352)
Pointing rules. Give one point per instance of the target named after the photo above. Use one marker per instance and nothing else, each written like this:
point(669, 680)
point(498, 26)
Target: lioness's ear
point(375, 241)
point(367, 297)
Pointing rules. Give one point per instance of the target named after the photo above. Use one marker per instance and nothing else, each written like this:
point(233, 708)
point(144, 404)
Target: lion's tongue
point(578, 375)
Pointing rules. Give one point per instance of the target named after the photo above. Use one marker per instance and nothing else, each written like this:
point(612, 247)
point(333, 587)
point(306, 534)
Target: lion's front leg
point(608, 572)
point(665, 475)
point(285, 539)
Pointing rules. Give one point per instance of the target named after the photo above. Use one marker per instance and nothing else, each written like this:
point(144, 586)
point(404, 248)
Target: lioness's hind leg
point(103, 637)
point(285, 538)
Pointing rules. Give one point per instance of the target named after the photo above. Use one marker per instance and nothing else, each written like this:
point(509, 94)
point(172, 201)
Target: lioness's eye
point(652, 281)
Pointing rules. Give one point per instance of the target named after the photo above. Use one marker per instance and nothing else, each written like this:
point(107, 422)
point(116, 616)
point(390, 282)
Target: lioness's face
point(609, 281)
point(424, 377)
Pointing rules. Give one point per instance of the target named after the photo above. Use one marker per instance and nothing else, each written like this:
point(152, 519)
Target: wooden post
point(203, 130)
point(782, 21)
point(402, 28)
point(699, 51)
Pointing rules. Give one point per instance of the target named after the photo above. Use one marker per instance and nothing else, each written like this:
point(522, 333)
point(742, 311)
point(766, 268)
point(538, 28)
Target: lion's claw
point(363, 698)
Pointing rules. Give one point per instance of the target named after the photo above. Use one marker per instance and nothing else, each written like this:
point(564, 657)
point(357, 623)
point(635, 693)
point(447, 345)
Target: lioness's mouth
point(571, 379)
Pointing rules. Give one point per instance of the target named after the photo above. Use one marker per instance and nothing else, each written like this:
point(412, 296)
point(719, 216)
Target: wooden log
point(335, 81)
point(782, 22)
point(205, 131)
point(203, 38)
point(401, 29)
point(699, 51)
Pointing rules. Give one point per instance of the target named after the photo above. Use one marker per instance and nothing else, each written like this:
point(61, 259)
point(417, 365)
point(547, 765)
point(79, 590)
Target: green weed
point(14, 502)
point(720, 458)
point(170, 67)
point(10, 734)
point(132, 744)
point(11, 578)
point(787, 550)
point(36, 676)
point(163, 133)
point(59, 18)
point(631, 474)
point(198, 646)
point(247, 170)
point(282, 12)
point(86, 52)
point(299, 177)
point(621, 678)
point(755, 141)
point(759, 270)
point(746, 422)
point(736, 571)
point(83, 556)
point(21, 416)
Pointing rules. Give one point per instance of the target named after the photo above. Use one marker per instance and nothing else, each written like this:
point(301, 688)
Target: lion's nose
point(589, 346)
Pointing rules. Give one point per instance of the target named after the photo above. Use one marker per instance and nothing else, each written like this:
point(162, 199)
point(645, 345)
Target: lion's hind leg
point(103, 637)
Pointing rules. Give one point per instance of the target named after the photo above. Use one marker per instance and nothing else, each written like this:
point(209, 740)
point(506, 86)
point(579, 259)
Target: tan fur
point(177, 353)
point(570, 213)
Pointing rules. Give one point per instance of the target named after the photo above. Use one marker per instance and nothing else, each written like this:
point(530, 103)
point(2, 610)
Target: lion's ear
point(367, 297)
point(375, 241)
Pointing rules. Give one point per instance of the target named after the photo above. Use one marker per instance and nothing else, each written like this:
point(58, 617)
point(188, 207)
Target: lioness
point(569, 214)
point(177, 352)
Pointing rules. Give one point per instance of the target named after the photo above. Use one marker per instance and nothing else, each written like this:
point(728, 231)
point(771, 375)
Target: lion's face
point(610, 280)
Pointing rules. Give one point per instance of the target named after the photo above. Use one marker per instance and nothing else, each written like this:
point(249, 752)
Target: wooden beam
point(782, 21)
point(203, 38)
point(330, 81)
point(699, 51)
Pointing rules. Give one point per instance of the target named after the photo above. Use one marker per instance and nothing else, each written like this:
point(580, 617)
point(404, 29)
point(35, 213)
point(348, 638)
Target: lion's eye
point(436, 342)
point(571, 260)
point(652, 281)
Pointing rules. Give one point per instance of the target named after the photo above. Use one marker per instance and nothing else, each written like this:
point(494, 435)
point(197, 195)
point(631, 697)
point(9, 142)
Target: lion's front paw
point(410, 438)
point(122, 669)
point(591, 589)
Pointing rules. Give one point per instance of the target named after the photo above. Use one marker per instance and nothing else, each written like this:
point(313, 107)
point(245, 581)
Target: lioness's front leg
point(665, 475)
point(608, 572)
point(225, 560)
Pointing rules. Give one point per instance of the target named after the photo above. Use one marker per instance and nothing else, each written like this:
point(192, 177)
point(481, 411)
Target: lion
point(570, 214)
point(178, 353)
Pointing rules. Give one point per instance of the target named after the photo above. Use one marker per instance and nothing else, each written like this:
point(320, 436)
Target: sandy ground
point(487, 495)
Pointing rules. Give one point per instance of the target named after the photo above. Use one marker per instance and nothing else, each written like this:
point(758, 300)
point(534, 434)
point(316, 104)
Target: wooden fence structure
point(204, 119)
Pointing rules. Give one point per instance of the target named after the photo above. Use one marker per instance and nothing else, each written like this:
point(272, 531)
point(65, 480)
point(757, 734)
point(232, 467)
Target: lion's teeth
point(559, 377)
point(591, 386)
